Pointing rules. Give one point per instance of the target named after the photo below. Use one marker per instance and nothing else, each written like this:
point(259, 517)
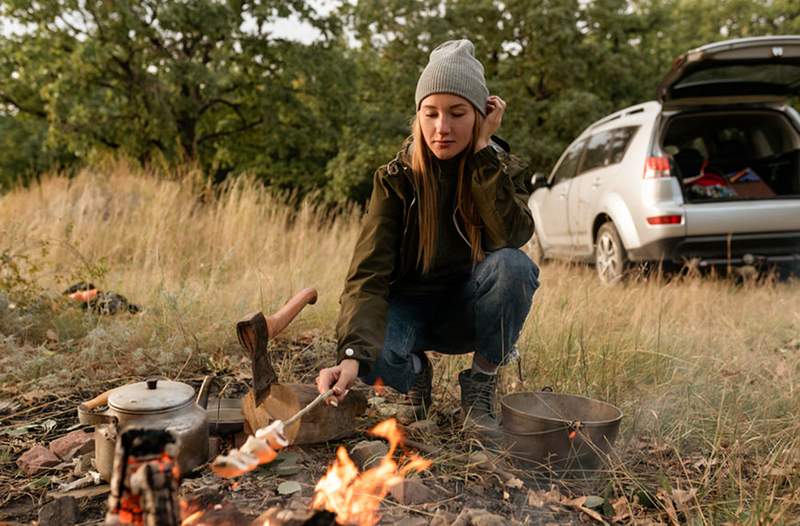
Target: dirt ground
point(459, 477)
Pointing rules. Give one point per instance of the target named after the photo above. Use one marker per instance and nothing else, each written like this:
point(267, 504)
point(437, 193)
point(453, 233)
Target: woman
point(437, 265)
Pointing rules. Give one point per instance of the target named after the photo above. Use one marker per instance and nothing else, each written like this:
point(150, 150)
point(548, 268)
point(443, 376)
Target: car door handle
point(562, 196)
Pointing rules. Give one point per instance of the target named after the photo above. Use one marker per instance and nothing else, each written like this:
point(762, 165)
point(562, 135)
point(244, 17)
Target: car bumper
point(734, 249)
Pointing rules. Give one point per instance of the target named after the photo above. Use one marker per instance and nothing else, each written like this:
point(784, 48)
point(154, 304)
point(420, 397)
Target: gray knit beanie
point(454, 69)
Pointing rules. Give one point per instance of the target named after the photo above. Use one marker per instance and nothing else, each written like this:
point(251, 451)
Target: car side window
point(595, 156)
point(607, 147)
point(569, 164)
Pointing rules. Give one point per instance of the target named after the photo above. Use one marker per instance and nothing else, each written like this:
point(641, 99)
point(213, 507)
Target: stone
point(368, 453)
point(481, 517)
point(63, 511)
point(75, 443)
point(37, 459)
point(412, 491)
point(442, 518)
point(422, 427)
point(412, 521)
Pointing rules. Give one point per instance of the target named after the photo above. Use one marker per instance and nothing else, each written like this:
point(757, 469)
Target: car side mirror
point(539, 180)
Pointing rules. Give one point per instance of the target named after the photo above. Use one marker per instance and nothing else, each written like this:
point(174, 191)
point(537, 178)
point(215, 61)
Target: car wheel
point(535, 249)
point(610, 256)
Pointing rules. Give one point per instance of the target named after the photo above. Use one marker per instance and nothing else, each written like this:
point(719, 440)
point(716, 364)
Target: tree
point(174, 81)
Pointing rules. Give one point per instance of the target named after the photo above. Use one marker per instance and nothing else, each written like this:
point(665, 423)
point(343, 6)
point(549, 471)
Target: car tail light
point(665, 220)
point(656, 167)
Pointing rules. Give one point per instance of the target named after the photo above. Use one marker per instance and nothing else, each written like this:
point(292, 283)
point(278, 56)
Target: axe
point(269, 400)
point(254, 332)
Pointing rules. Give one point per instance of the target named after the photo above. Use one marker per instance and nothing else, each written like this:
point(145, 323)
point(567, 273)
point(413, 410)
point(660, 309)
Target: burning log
point(144, 480)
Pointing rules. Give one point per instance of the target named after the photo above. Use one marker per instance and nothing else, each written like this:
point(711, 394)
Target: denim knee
point(505, 283)
point(508, 268)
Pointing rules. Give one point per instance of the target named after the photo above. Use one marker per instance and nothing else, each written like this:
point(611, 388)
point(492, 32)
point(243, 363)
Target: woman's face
point(446, 121)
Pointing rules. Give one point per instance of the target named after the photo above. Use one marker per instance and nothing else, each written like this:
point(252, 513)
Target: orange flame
point(379, 387)
point(356, 497)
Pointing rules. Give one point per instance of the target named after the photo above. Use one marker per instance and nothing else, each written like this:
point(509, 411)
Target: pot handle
point(202, 395)
point(87, 415)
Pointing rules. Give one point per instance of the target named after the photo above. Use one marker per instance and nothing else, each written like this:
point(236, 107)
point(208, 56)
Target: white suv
point(710, 172)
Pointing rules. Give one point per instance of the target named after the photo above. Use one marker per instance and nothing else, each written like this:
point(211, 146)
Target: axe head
point(254, 335)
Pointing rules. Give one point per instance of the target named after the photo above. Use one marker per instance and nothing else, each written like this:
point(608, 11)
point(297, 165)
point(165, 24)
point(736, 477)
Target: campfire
point(344, 496)
point(355, 497)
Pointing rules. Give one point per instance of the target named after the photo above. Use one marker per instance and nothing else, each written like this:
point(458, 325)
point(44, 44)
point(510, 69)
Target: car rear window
point(607, 148)
point(777, 74)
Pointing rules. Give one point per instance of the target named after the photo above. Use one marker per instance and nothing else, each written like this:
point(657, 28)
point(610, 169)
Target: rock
point(368, 453)
point(423, 427)
point(74, 443)
point(412, 491)
point(61, 512)
point(37, 459)
point(480, 517)
point(412, 521)
point(442, 518)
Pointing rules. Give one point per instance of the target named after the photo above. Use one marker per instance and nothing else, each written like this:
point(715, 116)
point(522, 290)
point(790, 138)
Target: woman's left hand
point(495, 108)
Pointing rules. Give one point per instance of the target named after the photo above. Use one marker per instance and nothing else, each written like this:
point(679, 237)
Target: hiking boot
point(477, 403)
point(420, 394)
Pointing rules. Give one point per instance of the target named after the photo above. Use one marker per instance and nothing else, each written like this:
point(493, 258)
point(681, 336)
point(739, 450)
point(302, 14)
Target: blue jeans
point(485, 315)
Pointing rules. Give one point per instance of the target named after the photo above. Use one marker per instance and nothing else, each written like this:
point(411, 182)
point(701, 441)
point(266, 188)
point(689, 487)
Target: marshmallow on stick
point(261, 447)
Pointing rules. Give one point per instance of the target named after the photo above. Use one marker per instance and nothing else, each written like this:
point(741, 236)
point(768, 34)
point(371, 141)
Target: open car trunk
point(734, 155)
point(739, 170)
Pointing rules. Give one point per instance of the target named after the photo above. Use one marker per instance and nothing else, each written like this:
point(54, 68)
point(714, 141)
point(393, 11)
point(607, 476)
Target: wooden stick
point(314, 403)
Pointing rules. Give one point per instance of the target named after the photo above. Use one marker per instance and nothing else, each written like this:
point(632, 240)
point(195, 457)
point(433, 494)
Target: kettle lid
point(152, 396)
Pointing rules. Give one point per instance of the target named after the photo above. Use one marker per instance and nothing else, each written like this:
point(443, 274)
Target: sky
point(289, 28)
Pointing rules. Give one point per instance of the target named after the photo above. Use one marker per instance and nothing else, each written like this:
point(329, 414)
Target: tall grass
point(705, 369)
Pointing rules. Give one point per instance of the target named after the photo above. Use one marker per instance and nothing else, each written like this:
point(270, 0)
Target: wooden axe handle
point(97, 401)
point(278, 321)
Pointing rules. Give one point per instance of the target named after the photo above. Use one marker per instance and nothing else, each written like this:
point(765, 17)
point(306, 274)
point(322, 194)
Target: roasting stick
point(307, 409)
point(261, 447)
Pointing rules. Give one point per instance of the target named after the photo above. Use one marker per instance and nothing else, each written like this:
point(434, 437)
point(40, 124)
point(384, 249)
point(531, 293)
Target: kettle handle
point(202, 395)
point(87, 415)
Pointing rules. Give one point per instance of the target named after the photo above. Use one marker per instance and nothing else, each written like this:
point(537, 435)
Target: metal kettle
point(152, 404)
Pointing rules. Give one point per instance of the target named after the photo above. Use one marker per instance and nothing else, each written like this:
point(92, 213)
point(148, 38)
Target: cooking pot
point(152, 404)
point(558, 431)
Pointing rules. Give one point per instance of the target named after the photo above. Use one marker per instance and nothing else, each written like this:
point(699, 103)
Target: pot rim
point(504, 403)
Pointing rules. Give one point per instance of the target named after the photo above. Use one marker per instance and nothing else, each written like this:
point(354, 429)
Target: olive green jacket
point(386, 249)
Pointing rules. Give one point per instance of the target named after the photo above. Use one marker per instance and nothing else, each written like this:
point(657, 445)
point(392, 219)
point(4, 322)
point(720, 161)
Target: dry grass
point(706, 370)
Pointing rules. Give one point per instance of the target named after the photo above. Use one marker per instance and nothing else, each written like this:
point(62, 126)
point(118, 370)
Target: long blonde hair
point(424, 179)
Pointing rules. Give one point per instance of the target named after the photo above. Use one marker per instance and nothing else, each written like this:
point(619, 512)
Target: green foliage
point(206, 83)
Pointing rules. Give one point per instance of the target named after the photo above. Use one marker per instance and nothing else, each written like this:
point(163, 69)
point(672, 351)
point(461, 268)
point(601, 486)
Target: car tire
point(535, 250)
point(610, 256)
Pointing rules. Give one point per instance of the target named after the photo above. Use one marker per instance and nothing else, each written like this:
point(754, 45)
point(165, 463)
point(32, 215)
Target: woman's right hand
point(339, 378)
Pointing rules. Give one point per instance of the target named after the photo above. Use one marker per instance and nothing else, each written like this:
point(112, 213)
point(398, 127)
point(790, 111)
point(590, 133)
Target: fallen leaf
point(515, 483)
point(535, 499)
point(48, 425)
point(622, 509)
point(682, 498)
point(669, 507)
point(289, 487)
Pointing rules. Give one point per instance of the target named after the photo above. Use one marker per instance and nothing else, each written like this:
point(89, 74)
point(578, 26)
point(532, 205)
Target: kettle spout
point(202, 395)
